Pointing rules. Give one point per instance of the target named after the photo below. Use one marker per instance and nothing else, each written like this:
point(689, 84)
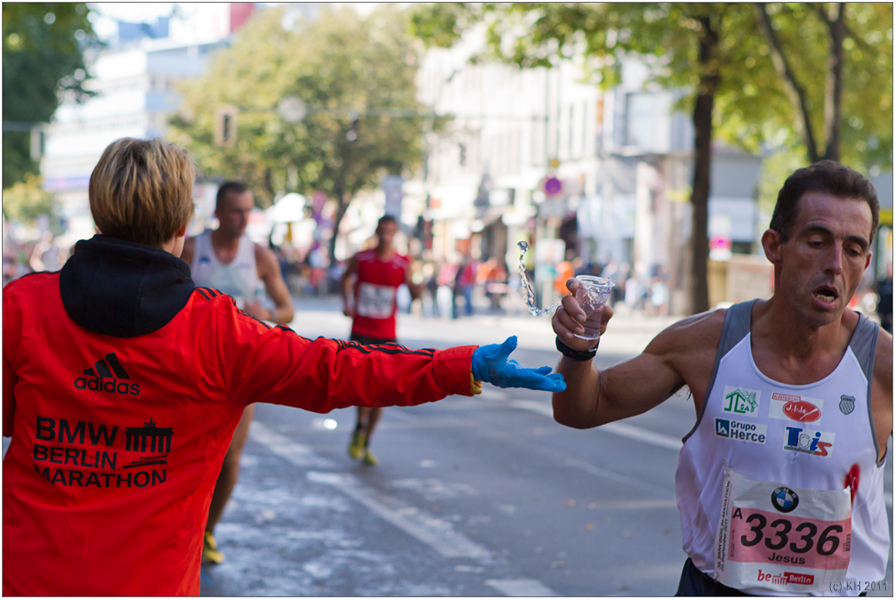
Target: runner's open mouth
point(826, 293)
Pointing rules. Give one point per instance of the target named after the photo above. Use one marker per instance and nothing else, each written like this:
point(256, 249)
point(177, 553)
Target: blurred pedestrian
point(430, 280)
point(45, 256)
point(227, 260)
point(495, 282)
point(565, 270)
point(138, 378)
point(466, 282)
point(446, 290)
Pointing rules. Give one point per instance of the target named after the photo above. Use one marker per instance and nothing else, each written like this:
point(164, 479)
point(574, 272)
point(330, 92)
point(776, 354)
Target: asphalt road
point(483, 496)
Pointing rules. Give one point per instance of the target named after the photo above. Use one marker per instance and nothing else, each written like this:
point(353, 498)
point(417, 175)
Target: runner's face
point(386, 233)
point(823, 261)
point(234, 213)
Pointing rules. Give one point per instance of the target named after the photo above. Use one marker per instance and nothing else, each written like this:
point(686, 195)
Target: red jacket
point(118, 435)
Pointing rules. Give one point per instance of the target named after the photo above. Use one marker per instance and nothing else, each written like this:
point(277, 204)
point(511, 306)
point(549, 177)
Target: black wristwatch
point(581, 355)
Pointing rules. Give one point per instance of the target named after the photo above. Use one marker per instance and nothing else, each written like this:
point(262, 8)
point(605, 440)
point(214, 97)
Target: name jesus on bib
point(375, 301)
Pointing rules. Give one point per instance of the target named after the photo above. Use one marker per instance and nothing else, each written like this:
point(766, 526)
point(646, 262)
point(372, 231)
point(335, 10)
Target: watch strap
point(581, 355)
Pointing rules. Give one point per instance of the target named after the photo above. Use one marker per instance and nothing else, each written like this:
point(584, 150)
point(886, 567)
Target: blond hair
point(142, 191)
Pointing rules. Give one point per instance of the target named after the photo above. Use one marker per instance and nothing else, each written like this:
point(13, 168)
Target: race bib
point(375, 301)
point(780, 538)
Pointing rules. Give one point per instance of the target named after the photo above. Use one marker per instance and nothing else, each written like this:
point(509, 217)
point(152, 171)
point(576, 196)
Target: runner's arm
point(346, 284)
point(882, 391)
point(269, 272)
point(594, 397)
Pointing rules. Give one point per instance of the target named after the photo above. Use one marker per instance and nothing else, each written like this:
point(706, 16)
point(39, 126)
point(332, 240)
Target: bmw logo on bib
point(785, 499)
point(847, 404)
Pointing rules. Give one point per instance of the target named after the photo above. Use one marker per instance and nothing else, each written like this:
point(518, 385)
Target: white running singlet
point(238, 278)
point(796, 469)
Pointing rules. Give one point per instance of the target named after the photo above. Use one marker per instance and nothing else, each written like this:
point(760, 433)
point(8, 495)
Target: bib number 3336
point(780, 538)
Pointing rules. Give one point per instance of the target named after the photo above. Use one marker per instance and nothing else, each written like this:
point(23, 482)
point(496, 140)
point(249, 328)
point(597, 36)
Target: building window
point(641, 120)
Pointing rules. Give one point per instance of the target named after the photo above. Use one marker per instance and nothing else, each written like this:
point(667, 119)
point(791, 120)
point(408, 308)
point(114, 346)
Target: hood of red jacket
point(124, 289)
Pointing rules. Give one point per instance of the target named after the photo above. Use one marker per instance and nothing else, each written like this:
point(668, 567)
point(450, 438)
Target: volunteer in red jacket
point(369, 295)
point(123, 383)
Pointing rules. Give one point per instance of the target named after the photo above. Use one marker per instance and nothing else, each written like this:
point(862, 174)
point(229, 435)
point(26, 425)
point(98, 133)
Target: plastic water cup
point(592, 295)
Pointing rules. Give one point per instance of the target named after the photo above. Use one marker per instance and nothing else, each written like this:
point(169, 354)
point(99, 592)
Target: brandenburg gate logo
point(149, 437)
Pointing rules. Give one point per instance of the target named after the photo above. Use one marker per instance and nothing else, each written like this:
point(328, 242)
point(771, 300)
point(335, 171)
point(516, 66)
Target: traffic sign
point(552, 186)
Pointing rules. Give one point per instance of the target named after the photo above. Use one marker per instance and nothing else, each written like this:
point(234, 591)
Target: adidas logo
point(104, 376)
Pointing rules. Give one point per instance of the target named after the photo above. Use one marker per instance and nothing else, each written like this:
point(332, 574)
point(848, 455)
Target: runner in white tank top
point(238, 278)
point(780, 482)
point(227, 260)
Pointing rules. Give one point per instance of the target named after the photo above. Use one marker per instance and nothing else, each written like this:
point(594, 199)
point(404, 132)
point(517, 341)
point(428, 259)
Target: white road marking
point(434, 532)
point(631, 432)
point(298, 454)
point(521, 587)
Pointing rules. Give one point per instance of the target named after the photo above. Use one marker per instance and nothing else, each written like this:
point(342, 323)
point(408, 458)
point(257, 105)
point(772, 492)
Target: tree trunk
point(833, 97)
point(269, 186)
point(703, 109)
point(341, 208)
point(796, 92)
point(339, 189)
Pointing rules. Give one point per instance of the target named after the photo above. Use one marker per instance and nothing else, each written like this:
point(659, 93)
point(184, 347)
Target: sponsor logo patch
point(109, 376)
point(739, 430)
point(789, 407)
point(786, 578)
point(808, 441)
point(847, 404)
point(741, 401)
point(785, 499)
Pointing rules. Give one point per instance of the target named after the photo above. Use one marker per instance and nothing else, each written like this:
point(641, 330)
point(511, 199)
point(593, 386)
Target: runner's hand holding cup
point(579, 315)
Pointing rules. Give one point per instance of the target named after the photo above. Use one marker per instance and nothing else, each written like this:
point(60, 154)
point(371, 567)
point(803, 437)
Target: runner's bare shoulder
point(695, 334)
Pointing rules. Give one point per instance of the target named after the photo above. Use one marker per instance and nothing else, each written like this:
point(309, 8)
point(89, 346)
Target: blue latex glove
point(490, 364)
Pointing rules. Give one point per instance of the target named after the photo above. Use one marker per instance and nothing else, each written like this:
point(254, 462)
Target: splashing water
point(528, 292)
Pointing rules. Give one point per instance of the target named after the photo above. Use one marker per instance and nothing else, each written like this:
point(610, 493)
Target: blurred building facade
point(539, 156)
point(530, 155)
point(134, 80)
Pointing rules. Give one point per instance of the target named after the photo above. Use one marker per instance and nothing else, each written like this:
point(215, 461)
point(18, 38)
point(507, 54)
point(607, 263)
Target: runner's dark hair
point(227, 188)
point(825, 176)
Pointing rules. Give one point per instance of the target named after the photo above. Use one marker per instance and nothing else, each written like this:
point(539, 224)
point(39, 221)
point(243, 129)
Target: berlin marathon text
point(70, 477)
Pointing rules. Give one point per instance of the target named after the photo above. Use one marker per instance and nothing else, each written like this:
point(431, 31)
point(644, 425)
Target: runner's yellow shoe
point(210, 553)
point(356, 446)
point(369, 458)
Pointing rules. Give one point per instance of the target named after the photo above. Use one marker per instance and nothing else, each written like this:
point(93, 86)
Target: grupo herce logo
point(109, 376)
point(784, 499)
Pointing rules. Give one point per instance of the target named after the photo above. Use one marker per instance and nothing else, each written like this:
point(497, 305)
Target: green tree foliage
point(342, 66)
point(26, 200)
point(823, 86)
point(751, 72)
point(43, 58)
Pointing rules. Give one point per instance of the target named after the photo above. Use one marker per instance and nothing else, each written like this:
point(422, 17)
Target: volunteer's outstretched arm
point(491, 364)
